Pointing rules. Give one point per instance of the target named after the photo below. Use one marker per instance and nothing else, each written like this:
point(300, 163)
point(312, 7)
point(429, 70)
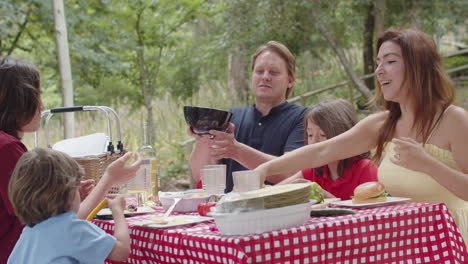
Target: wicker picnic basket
point(94, 166)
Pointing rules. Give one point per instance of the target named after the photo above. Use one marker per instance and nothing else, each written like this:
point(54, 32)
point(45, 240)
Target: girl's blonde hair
point(334, 117)
point(43, 185)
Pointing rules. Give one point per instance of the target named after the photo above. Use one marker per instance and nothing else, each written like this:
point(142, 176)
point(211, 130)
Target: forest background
point(149, 58)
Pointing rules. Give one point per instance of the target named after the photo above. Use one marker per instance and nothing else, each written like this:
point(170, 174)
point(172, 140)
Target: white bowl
point(259, 221)
point(189, 203)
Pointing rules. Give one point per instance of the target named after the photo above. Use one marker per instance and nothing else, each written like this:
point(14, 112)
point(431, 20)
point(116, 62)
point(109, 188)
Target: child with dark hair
point(338, 178)
point(44, 191)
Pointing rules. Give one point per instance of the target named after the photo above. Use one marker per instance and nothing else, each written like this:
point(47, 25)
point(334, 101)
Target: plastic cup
point(213, 180)
point(136, 198)
point(245, 181)
point(221, 167)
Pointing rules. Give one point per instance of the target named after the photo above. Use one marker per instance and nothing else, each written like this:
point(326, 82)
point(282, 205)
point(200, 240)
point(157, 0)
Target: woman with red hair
point(422, 133)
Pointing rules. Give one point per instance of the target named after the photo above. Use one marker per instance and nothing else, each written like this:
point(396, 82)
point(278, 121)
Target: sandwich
point(370, 192)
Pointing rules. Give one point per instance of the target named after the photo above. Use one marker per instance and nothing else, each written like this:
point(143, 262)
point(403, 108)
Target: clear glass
point(245, 181)
point(213, 180)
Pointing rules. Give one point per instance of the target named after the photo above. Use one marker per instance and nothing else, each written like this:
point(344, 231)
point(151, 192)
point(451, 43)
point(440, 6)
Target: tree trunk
point(63, 59)
point(237, 76)
point(414, 15)
point(380, 8)
point(147, 80)
point(368, 47)
point(151, 93)
point(361, 86)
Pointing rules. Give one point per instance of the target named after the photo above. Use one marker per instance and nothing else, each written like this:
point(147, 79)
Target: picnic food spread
point(369, 192)
point(316, 192)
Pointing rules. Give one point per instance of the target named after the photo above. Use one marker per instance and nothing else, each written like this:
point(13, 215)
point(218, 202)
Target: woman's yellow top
point(420, 187)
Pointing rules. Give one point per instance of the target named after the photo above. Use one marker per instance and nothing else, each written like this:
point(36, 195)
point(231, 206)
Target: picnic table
point(405, 233)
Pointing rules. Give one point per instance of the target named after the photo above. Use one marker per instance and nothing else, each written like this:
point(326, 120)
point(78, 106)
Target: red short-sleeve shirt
point(11, 150)
point(361, 171)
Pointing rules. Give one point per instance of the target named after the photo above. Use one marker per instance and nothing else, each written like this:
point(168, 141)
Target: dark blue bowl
point(203, 119)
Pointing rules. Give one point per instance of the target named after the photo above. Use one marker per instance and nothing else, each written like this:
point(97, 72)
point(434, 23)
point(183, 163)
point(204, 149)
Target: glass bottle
point(146, 182)
point(149, 163)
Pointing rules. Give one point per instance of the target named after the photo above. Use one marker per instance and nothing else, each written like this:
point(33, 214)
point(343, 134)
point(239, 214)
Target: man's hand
point(203, 139)
point(223, 144)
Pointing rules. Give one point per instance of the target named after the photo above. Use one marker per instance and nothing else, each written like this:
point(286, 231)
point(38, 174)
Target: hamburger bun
point(369, 192)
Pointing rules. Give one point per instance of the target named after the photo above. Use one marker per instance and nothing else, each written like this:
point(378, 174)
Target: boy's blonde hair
point(43, 185)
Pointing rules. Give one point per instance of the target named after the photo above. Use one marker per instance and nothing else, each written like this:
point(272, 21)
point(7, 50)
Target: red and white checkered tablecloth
point(408, 233)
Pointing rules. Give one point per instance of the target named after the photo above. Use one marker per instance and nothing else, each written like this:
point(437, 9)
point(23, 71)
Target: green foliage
point(452, 62)
point(182, 47)
point(436, 15)
point(174, 158)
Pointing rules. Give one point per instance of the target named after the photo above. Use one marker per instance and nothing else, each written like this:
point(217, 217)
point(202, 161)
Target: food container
point(189, 203)
point(259, 221)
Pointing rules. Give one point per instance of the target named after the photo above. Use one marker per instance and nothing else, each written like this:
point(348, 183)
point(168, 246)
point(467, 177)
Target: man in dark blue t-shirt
point(260, 132)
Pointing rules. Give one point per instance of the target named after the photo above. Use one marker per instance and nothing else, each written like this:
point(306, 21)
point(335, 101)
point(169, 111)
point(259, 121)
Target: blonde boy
point(44, 191)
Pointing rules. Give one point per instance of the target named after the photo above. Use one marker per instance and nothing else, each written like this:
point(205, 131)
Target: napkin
point(90, 145)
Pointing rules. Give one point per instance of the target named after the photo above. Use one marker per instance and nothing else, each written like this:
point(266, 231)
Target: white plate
point(325, 203)
point(140, 210)
point(390, 200)
point(176, 220)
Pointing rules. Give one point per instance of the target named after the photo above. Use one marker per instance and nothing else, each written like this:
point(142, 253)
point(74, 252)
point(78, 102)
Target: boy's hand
point(116, 203)
point(118, 173)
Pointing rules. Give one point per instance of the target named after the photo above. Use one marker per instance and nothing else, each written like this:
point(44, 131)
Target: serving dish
point(259, 221)
point(189, 203)
point(172, 221)
point(390, 201)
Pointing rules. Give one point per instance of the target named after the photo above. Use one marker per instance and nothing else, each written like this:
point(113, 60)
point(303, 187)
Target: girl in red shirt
point(338, 178)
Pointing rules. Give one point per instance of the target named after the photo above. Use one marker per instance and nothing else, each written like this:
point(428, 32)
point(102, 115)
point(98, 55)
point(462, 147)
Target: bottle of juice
point(146, 182)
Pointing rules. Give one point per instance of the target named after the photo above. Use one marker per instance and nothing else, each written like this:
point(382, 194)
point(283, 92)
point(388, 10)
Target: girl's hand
point(118, 173)
point(410, 154)
point(86, 187)
point(261, 174)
